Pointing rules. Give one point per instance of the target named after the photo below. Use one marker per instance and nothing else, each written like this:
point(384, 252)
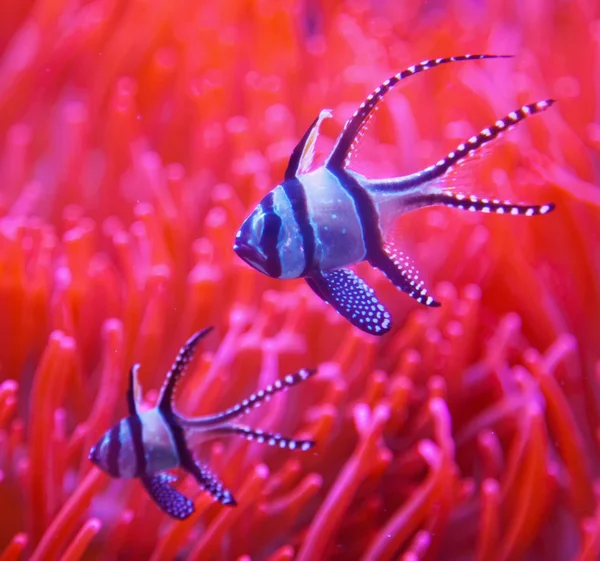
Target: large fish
point(145, 444)
point(317, 223)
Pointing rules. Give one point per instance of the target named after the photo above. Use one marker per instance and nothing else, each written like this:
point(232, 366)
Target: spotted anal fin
point(168, 499)
point(342, 152)
point(304, 152)
point(165, 399)
point(208, 481)
point(399, 269)
point(134, 391)
point(353, 299)
point(201, 473)
point(263, 437)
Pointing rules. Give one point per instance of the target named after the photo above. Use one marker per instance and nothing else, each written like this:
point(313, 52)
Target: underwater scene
point(300, 280)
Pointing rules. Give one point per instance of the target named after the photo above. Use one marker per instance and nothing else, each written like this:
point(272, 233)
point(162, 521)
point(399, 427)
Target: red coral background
point(135, 137)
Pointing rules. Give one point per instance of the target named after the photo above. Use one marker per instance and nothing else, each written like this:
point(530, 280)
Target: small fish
point(317, 223)
point(147, 443)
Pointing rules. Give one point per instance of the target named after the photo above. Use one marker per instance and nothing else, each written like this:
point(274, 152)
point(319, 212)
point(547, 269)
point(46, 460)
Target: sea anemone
point(135, 137)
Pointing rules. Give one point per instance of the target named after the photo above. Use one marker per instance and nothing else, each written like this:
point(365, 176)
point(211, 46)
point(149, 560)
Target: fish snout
point(249, 254)
point(94, 455)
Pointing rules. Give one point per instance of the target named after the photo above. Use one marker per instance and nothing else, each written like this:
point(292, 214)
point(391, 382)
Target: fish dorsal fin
point(134, 392)
point(342, 151)
point(165, 399)
point(304, 152)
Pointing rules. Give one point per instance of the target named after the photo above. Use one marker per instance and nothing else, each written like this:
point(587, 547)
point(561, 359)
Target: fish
point(317, 223)
point(147, 443)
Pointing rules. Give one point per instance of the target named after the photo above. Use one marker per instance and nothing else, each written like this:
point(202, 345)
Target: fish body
point(146, 443)
point(316, 224)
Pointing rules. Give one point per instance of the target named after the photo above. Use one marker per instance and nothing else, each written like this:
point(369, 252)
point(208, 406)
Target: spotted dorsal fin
point(342, 151)
point(304, 152)
point(134, 392)
point(165, 399)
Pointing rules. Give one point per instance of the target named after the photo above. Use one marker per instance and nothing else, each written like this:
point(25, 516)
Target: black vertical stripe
point(135, 426)
point(183, 453)
point(114, 450)
point(268, 240)
point(296, 193)
point(366, 212)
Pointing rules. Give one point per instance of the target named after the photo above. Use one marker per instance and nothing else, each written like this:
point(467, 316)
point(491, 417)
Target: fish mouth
point(250, 256)
point(93, 455)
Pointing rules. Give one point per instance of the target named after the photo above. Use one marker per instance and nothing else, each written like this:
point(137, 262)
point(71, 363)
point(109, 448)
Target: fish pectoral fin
point(303, 155)
point(168, 499)
point(353, 299)
point(209, 481)
point(399, 269)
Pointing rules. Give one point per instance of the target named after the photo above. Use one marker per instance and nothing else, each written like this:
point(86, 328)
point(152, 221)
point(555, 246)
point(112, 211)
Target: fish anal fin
point(168, 499)
point(353, 299)
point(400, 270)
point(208, 481)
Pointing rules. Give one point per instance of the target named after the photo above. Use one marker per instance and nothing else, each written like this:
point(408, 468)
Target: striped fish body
point(304, 225)
point(147, 443)
point(317, 223)
point(138, 445)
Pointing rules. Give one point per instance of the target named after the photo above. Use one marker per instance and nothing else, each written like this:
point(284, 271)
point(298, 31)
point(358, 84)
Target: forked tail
point(475, 204)
point(423, 191)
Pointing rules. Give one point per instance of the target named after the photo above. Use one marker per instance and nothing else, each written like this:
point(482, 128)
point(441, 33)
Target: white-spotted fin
point(353, 298)
point(145, 444)
point(317, 223)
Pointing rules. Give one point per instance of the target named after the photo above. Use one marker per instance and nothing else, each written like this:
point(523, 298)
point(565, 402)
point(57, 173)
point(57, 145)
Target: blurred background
point(135, 137)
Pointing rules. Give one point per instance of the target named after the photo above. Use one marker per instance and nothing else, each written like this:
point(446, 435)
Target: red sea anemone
point(135, 136)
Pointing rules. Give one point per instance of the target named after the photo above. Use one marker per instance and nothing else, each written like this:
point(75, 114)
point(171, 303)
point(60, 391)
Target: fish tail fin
point(444, 174)
point(246, 405)
point(473, 203)
point(264, 437)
